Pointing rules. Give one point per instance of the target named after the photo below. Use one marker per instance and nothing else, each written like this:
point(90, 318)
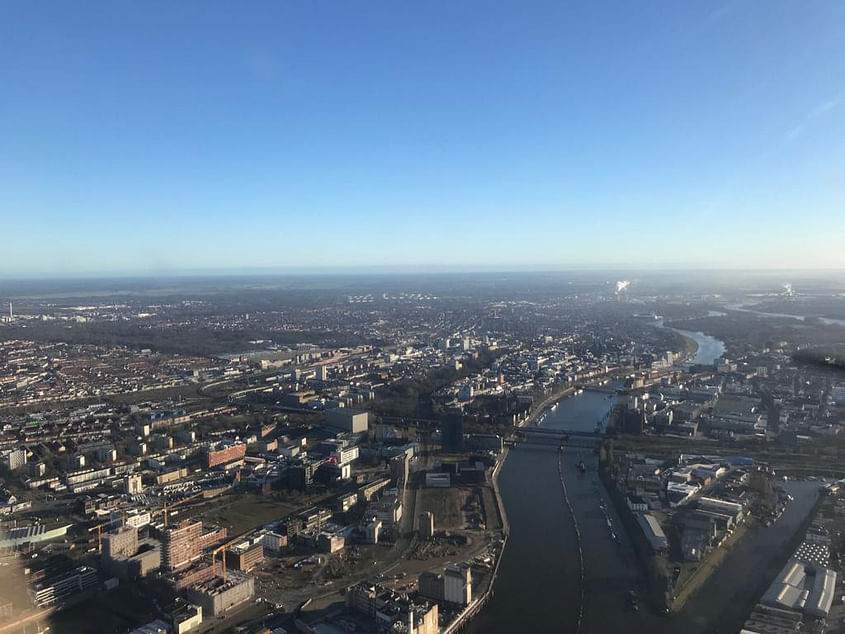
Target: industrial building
point(653, 532)
point(347, 419)
point(391, 611)
point(16, 537)
point(216, 596)
point(803, 587)
point(453, 586)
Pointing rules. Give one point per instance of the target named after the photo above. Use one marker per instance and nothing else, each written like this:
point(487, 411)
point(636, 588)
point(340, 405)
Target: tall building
point(453, 586)
point(132, 484)
point(181, 545)
point(426, 525)
point(457, 585)
point(453, 434)
point(15, 459)
point(120, 544)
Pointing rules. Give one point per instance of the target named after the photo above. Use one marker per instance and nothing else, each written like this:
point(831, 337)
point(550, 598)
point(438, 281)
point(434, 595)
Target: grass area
point(690, 346)
point(446, 506)
point(240, 513)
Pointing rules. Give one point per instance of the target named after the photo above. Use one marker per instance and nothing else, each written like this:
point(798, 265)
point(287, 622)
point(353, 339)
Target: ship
point(581, 466)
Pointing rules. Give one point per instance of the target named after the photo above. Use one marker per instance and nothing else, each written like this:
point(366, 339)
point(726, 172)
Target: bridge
point(556, 432)
point(555, 438)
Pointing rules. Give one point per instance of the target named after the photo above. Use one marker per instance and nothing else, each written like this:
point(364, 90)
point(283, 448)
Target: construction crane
point(165, 510)
point(222, 549)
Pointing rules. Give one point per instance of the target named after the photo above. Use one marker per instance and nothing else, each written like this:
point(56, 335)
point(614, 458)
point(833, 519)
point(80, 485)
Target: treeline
point(169, 339)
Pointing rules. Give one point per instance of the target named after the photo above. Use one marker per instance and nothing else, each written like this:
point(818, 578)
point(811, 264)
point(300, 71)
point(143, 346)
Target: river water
point(827, 321)
point(709, 348)
point(539, 588)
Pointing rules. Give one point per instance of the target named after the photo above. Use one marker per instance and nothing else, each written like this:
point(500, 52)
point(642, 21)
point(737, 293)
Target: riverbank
point(690, 346)
point(530, 488)
point(489, 590)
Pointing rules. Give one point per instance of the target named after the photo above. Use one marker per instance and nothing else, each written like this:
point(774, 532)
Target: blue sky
point(155, 137)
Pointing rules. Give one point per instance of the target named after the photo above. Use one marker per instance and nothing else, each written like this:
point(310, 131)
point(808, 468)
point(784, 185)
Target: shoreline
point(468, 614)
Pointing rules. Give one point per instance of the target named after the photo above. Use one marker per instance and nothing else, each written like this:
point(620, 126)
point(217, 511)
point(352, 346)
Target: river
point(709, 348)
point(827, 321)
point(538, 588)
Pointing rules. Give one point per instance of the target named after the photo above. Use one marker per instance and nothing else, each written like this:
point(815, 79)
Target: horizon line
point(390, 270)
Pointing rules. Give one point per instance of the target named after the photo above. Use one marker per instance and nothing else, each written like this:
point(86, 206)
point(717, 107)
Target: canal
point(539, 587)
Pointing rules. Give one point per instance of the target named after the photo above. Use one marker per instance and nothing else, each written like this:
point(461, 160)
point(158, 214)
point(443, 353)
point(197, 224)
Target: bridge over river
point(555, 437)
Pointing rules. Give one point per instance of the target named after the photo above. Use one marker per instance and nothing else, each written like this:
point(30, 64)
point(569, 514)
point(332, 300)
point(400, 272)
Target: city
point(477, 317)
point(289, 482)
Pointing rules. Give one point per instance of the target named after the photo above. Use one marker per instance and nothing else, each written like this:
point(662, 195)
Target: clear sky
point(175, 136)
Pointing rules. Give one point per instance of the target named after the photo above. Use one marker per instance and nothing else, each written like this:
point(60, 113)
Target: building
point(457, 585)
point(17, 537)
point(392, 612)
point(158, 626)
point(58, 590)
point(768, 620)
point(217, 596)
point(181, 545)
point(345, 455)
point(346, 502)
point(653, 532)
point(330, 542)
point(452, 435)
point(245, 556)
point(636, 503)
point(347, 420)
point(224, 455)
point(426, 525)
point(274, 542)
point(368, 491)
point(186, 617)
point(373, 531)
point(802, 587)
point(132, 484)
point(438, 480)
point(453, 586)
point(145, 562)
point(15, 459)
point(138, 518)
point(120, 544)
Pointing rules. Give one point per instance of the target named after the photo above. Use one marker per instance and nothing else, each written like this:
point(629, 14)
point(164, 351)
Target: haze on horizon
point(163, 138)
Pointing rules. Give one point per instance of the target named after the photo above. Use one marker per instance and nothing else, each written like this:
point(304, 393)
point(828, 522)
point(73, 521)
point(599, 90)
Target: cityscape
point(419, 454)
point(375, 317)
